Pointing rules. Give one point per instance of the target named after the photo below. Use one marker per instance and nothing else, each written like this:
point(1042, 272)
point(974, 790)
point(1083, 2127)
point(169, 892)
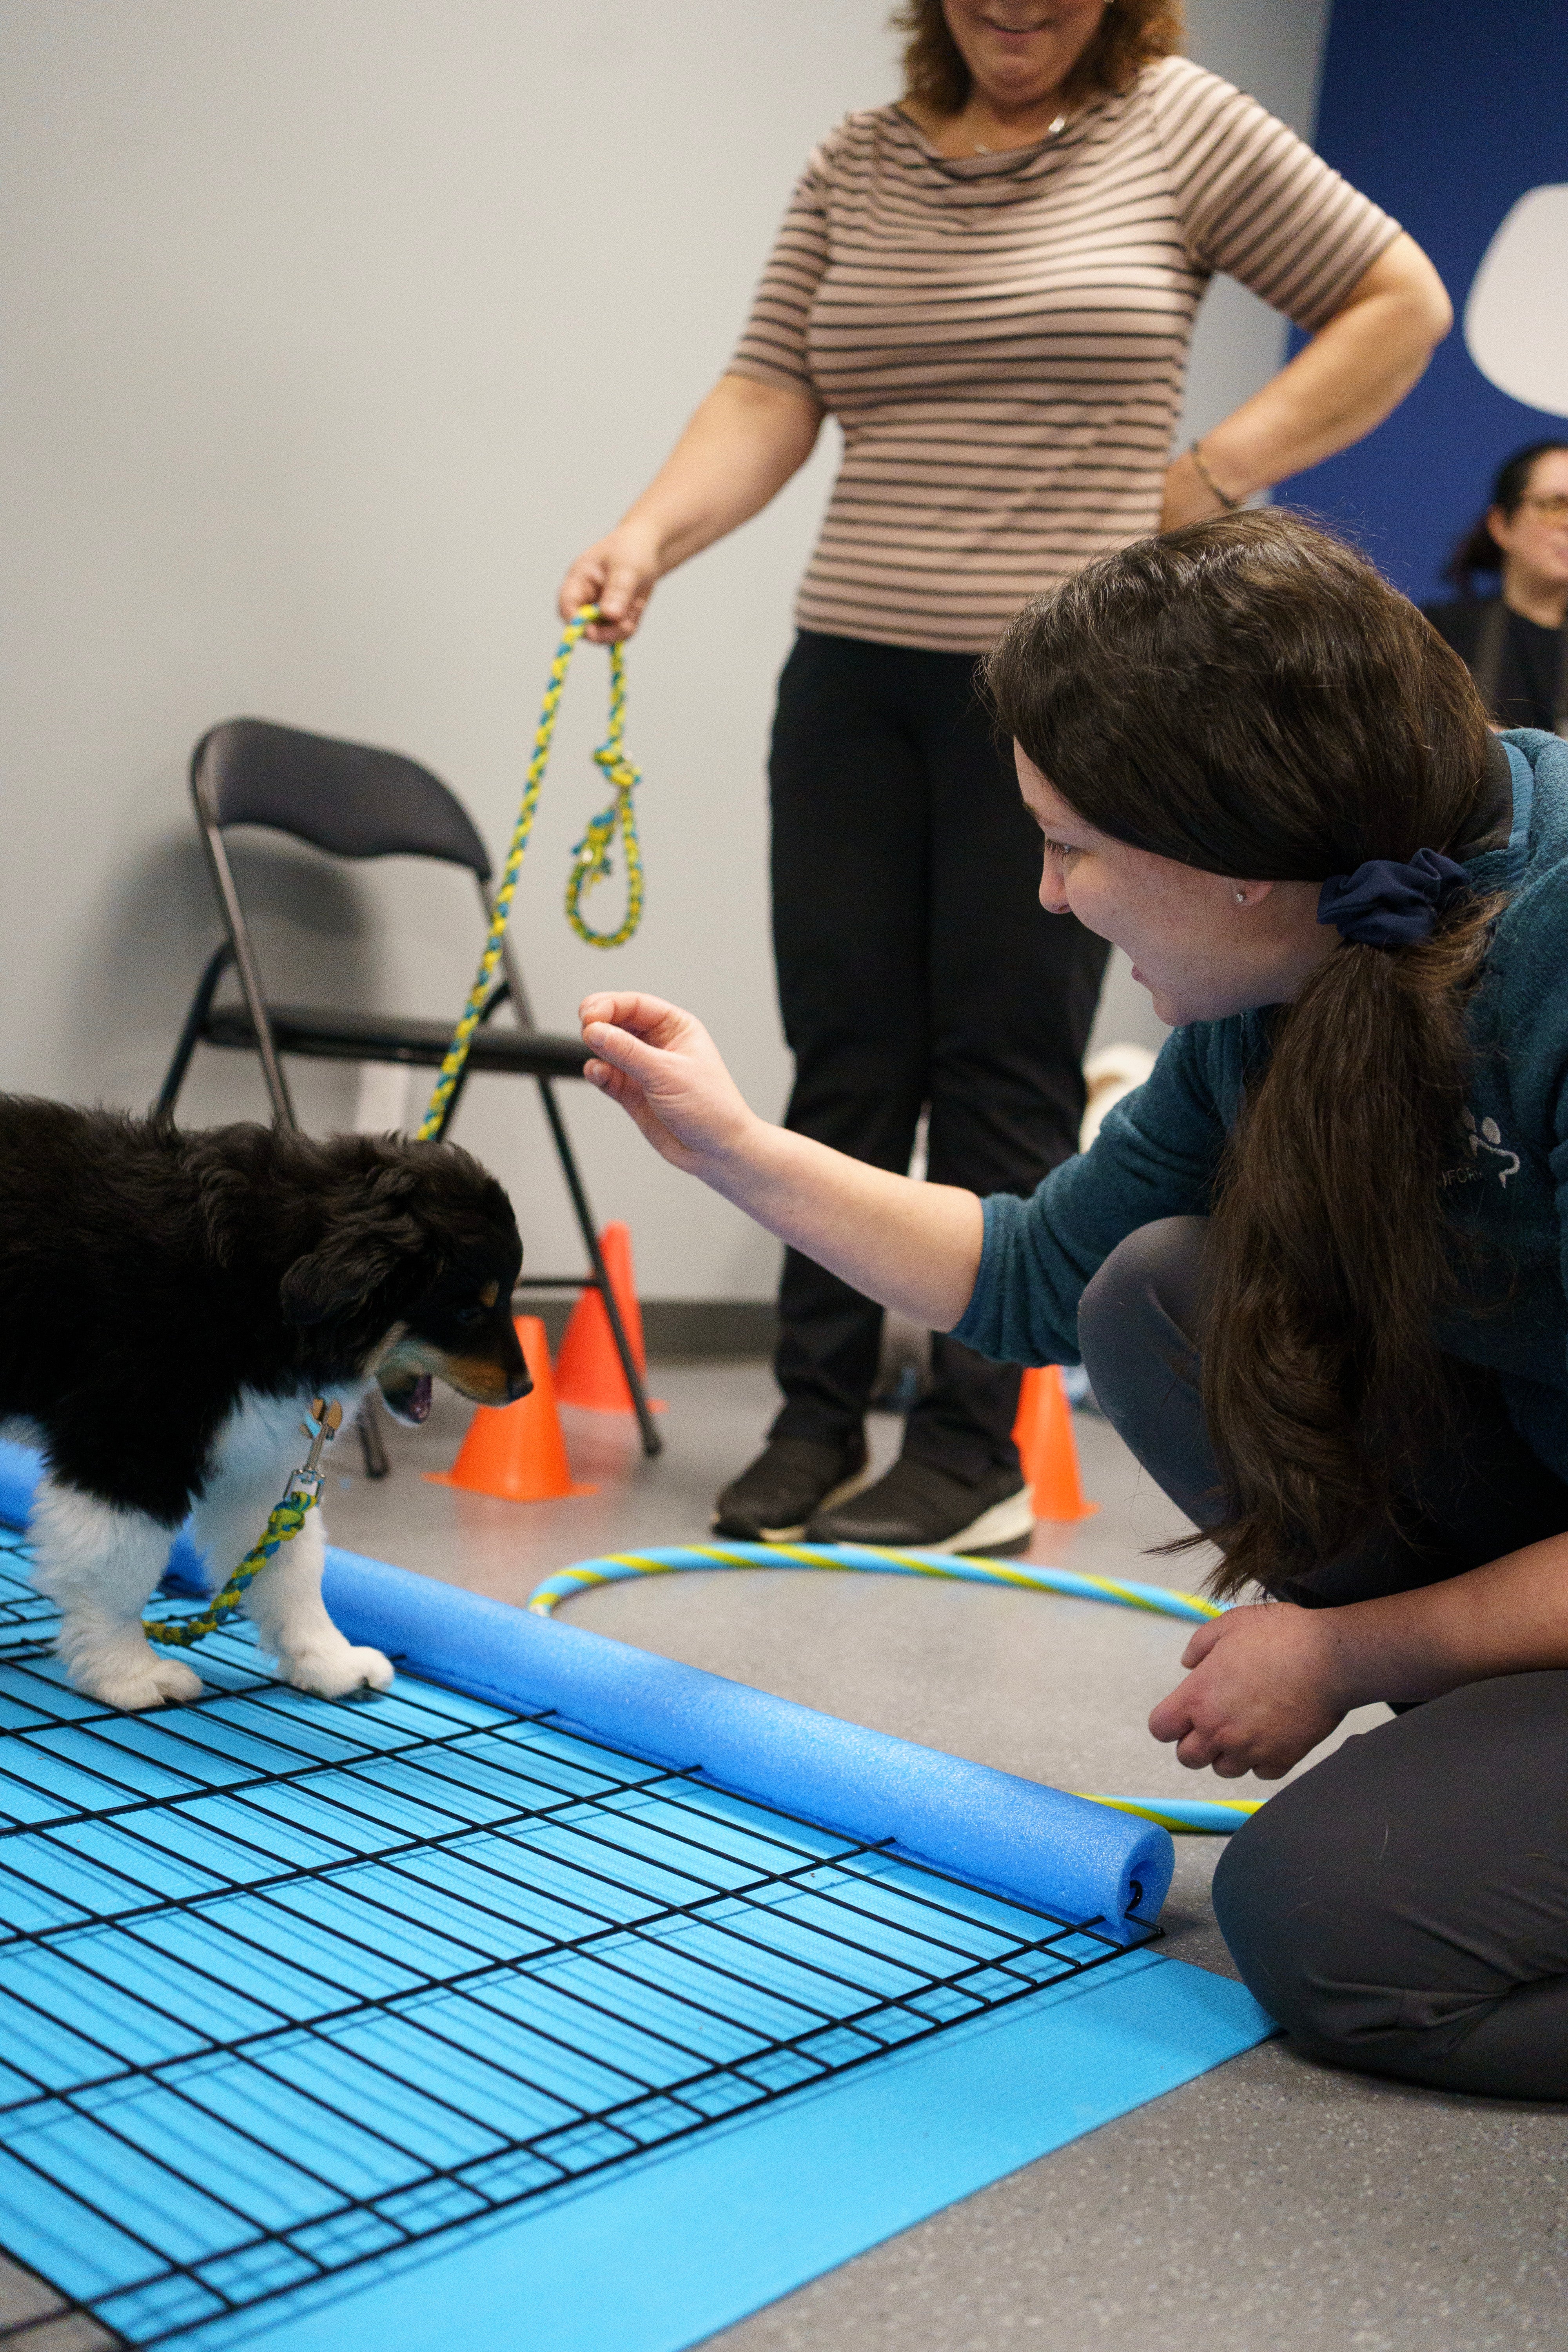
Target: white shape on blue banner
point(1516, 319)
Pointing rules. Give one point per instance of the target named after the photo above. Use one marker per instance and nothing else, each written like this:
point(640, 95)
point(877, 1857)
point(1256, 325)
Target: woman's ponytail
point(1247, 696)
point(1329, 1253)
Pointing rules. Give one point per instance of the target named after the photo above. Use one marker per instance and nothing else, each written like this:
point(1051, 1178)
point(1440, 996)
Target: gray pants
point(1402, 1907)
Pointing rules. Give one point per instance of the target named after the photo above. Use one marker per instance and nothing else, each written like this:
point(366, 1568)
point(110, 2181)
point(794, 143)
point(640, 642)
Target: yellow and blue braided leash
point(590, 864)
point(1185, 1817)
point(590, 859)
point(284, 1522)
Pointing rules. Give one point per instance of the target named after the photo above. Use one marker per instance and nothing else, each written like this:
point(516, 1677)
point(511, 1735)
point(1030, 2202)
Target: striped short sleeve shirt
point(1002, 339)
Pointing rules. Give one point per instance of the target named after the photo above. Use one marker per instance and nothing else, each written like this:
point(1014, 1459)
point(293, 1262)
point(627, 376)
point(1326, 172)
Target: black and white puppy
point(171, 1301)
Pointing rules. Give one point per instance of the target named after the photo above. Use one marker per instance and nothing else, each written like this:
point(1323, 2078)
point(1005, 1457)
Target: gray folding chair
point(353, 802)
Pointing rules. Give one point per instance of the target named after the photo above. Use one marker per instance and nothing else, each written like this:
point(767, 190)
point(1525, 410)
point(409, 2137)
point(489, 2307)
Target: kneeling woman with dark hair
point(1315, 1265)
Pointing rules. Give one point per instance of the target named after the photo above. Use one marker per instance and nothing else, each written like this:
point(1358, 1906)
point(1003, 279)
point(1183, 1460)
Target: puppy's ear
point(349, 1269)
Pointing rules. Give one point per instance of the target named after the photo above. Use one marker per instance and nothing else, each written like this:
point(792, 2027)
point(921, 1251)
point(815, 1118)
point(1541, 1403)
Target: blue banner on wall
point(1453, 114)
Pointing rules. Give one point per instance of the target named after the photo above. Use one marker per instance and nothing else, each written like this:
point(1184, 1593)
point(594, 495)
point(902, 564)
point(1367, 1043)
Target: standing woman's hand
point(617, 573)
point(1189, 498)
point(742, 445)
point(1355, 371)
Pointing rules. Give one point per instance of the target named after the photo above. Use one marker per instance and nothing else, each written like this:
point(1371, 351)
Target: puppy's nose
point(519, 1384)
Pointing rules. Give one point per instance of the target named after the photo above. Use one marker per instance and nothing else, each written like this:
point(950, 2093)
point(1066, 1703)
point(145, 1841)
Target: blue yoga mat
point(879, 2126)
point(677, 2247)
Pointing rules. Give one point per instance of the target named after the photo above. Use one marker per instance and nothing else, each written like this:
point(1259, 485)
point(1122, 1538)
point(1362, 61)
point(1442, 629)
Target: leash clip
point(320, 1426)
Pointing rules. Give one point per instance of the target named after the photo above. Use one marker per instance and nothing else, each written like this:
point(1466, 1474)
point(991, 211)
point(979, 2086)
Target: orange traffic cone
point(588, 1369)
point(516, 1451)
point(1047, 1447)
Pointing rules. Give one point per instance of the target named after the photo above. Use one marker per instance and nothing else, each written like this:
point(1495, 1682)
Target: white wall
point(335, 326)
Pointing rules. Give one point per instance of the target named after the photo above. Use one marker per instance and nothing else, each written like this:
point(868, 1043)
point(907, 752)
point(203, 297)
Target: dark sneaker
point(917, 1507)
point(790, 1478)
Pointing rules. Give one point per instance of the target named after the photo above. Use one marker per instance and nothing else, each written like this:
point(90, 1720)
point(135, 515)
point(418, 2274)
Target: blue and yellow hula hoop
point(1182, 1816)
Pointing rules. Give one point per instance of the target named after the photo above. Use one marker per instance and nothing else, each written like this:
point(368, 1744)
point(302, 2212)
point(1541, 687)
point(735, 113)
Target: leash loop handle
point(590, 859)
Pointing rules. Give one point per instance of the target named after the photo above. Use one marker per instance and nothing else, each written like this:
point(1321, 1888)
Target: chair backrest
point(343, 797)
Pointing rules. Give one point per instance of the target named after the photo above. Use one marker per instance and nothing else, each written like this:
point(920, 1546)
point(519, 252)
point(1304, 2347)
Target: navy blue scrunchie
point(1390, 904)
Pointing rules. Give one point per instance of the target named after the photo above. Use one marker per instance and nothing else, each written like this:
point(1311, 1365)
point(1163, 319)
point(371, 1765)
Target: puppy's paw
point(133, 1679)
point(333, 1673)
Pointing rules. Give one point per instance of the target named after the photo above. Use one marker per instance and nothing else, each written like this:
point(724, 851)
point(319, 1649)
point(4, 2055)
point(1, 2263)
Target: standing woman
point(991, 285)
point(1515, 642)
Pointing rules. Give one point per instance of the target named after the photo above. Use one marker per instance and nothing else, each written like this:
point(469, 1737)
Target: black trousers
point(917, 970)
point(1402, 1907)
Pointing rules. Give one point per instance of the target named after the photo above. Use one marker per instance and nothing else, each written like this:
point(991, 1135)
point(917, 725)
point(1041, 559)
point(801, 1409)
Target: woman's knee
point(1136, 1325)
point(1402, 1907)
point(1147, 1289)
point(1297, 1930)
point(1339, 1956)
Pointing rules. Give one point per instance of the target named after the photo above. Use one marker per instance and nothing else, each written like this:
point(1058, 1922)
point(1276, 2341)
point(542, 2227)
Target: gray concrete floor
point(1270, 2203)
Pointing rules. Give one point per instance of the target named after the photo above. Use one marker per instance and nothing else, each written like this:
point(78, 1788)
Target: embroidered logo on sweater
point(1486, 1135)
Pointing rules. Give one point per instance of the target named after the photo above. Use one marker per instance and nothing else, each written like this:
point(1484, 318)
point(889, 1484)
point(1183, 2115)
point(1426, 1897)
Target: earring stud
point(1241, 897)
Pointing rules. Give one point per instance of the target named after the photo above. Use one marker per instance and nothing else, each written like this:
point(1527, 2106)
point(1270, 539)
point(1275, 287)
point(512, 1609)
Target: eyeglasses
point(1551, 508)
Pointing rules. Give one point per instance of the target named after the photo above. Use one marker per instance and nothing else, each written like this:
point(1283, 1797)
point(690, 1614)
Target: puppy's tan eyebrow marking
point(379, 1356)
point(489, 1294)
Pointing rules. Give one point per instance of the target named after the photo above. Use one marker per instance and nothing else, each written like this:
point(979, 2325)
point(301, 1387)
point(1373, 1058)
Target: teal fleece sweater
point(1159, 1149)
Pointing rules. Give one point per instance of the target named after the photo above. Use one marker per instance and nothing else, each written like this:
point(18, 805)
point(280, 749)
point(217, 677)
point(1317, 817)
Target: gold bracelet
point(1196, 455)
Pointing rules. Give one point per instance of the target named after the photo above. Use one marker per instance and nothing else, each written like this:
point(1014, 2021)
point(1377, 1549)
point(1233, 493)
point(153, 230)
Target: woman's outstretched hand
point(915, 1247)
point(1260, 1694)
point(663, 1068)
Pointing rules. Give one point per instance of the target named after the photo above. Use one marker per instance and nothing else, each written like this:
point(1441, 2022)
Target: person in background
point(1514, 642)
point(992, 286)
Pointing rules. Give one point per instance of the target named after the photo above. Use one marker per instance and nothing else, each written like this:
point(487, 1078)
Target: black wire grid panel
point(287, 1986)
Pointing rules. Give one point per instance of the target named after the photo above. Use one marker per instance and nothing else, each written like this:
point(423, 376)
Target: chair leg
point(195, 1020)
point(652, 1442)
point(373, 1442)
